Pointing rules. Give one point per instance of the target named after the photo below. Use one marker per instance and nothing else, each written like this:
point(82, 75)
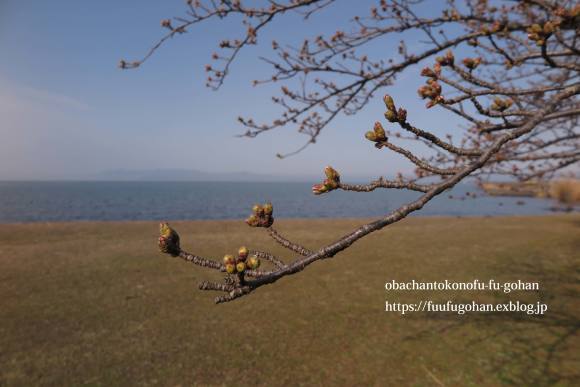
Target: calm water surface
point(73, 201)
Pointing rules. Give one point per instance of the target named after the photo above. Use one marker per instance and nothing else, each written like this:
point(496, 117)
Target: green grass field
point(96, 304)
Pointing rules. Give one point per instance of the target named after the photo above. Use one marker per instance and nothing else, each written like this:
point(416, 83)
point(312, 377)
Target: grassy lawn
point(96, 304)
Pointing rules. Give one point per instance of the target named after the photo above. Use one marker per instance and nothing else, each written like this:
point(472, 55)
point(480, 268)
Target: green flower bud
point(389, 102)
point(257, 209)
point(535, 28)
point(252, 221)
point(380, 134)
point(331, 174)
point(371, 136)
point(391, 116)
point(330, 184)
point(253, 262)
point(268, 208)
point(240, 267)
point(243, 253)
point(168, 240)
point(230, 268)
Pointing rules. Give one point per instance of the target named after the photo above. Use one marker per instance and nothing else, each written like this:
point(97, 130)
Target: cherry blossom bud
point(257, 209)
point(331, 174)
point(268, 208)
point(428, 72)
point(168, 240)
point(402, 115)
point(450, 58)
point(243, 253)
point(253, 262)
point(230, 268)
point(380, 134)
point(252, 221)
point(471, 63)
point(391, 116)
point(425, 91)
point(437, 68)
point(319, 189)
point(229, 259)
point(389, 102)
point(371, 136)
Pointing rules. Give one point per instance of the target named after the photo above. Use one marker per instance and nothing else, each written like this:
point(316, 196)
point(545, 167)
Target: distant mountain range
point(191, 175)
point(196, 175)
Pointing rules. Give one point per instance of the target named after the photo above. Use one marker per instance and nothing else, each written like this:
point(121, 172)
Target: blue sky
point(68, 112)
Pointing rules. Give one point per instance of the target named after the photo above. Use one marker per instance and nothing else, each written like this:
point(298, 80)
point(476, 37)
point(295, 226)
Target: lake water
point(75, 201)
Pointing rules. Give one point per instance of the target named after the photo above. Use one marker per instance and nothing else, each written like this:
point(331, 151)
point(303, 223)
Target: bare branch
point(516, 94)
point(288, 244)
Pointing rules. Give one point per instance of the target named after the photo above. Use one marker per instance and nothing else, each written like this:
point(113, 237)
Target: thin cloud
point(15, 94)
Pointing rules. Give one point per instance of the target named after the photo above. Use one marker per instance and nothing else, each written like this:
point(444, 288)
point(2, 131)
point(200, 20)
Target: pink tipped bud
point(268, 208)
point(427, 72)
point(332, 174)
point(230, 268)
point(425, 91)
point(450, 58)
point(371, 136)
point(168, 240)
point(402, 115)
point(471, 63)
point(319, 189)
point(331, 184)
point(389, 103)
point(253, 263)
point(243, 253)
point(252, 221)
point(431, 103)
point(229, 259)
point(437, 69)
point(257, 209)
point(391, 116)
point(240, 267)
point(380, 134)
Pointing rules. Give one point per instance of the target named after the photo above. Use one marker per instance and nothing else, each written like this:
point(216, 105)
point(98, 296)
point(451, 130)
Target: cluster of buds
point(431, 72)
point(240, 263)
point(261, 216)
point(378, 133)
point(501, 104)
point(446, 60)
point(539, 33)
point(392, 114)
point(431, 90)
point(331, 182)
point(472, 63)
point(168, 240)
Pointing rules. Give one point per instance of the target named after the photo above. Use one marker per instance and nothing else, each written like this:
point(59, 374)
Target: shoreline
point(290, 220)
